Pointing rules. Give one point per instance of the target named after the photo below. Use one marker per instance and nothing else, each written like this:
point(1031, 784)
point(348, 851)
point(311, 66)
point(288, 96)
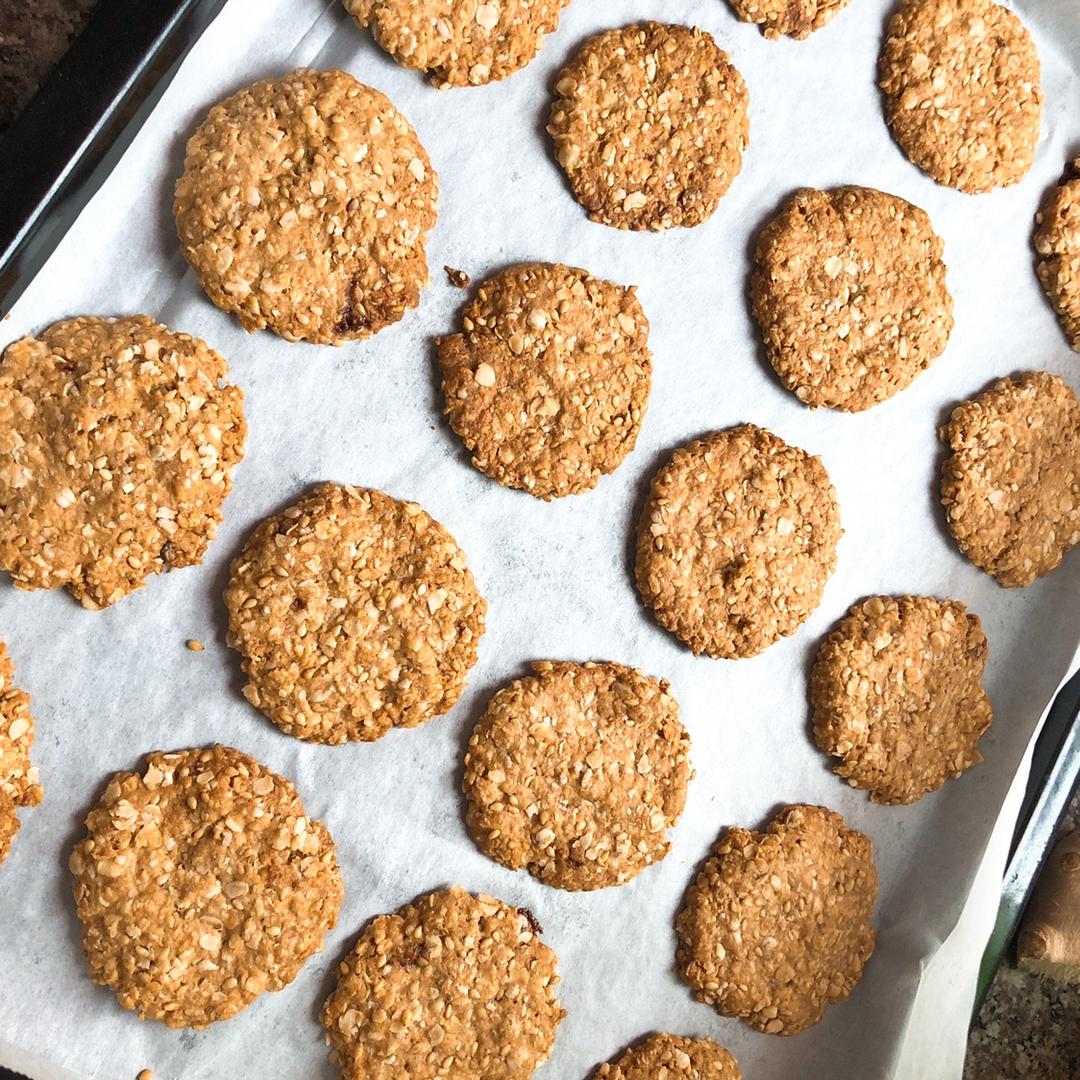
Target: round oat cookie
point(200, 884)
point(1011, 488)
point(304, 205)
point(117, 442)
point(777, 924)
point(849, 291)
point(962, 96)
point(19, 785)
point(1057, 241)
point(459, 42)
point(794, 18)
point(736, 542)
point(672, 1057)
point(355, 613)
point(549, 381)
point(453, 985)
point(576, 773)
point(650, 123)
point(897, 695)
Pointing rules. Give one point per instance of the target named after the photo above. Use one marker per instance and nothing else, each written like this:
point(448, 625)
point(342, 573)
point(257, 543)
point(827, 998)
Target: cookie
point(777, 924)
point(650, 123)
point(849, 290)
point(303, 208)
point(459, 42)
point(1011, 487)
point(792, 18)
point(672, 1057)
point(898, 697)
point(453, 985)
point(19, 785)
point(576, 773)
point(1057, 241)
point(547, 385)
point(117, 442)
point(355, 613)
point(962, 95)
point(736, 542)
point(200, 884)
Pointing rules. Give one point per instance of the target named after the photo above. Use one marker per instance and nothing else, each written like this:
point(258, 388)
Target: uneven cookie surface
point(962, 95)
point(1011, 487)
point(19, 785)
point(117, 442)
point(453, 985)
point(650, 123)
point(200, 884)
point(672, 1057)
point(1057, 241)
point(576, 773)
point(303, 208)
point(355, 613)
point(898, 697)
point(460, 42)
point(737, 540)
point(548, 383)
point(800, 893)
point(849, 291)
point(794, 18)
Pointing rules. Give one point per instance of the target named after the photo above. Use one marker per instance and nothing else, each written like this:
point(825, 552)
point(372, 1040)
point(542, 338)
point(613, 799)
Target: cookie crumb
point(145, 1074)
point(194, 645)
point(458, 278)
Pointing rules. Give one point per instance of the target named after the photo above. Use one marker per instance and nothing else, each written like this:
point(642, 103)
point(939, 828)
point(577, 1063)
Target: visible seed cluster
point(19, 785)
point(200, 884)
point(1057, 240)
point(549, 381)
point(304, 205)
point(453, 986)
point(650, 123)
point(794, 18)
point(1011, 487)
point(672, 1057)
point(117, 442)
point(777, 924)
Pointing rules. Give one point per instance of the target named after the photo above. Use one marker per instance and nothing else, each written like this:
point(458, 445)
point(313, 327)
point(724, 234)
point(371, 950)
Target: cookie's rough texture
point(549, 381)
point(1011, 487)
point(962, 96)
point(1057, 240)
point(794, 18)
point(117, 441)
point(303, 208)
point(777, 924)
point(849, 291)
point(737, 540)
point(355, 613)
point(460, 42)
point(576, 773)
point(672, 1057)
point(452, 986)
point(650, 123)
point(202, 883)
point(19, 785)
point(898, 697)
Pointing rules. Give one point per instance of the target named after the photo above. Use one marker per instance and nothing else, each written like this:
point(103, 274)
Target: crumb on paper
point(194, 645)
point(458, 278)
point(145, 1074)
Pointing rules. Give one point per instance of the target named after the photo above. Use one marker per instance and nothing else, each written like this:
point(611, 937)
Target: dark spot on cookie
point(531, 919)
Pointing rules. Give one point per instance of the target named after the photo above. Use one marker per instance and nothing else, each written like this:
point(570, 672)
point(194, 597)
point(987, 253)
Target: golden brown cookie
point(794, 18)
point(117, 442)
point(304, 205)
point(1011, 488)
point(19, 785)
point(453, 985)
point(777, 924)
point(576, 773)
point(355, 613)
point(549, 381)
point(202, 883)
point(650, 123)
point(849, 291)
point(1057, 241)
point(672, 1057)
point(898, 697)
point(962, 95)
point(736, 542)
point(459, 42)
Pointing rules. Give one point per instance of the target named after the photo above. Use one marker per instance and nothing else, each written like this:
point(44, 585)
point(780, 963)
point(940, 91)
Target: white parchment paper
point(108, 687)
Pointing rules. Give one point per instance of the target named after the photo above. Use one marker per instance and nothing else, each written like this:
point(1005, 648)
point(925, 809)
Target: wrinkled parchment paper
point(108, 687)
